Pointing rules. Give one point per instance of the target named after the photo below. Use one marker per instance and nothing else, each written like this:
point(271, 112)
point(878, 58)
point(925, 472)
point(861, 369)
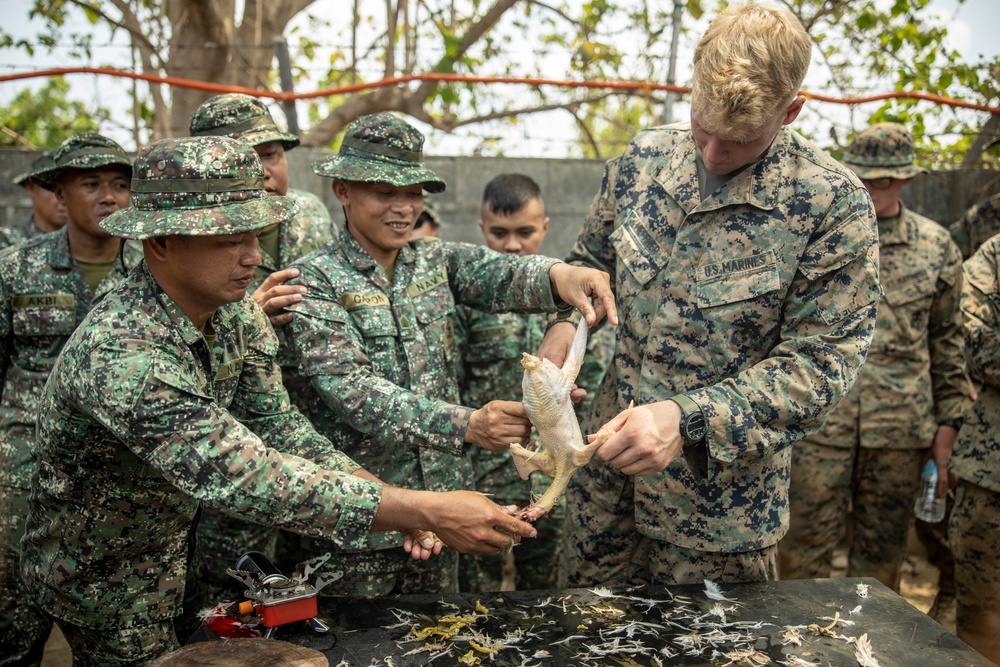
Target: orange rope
point(644, 86)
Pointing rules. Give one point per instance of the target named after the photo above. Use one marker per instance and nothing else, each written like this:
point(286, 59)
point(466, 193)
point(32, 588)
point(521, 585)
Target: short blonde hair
point(748, 68)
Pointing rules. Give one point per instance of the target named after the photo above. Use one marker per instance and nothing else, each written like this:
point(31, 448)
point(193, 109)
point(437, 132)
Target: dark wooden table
point(651, 625)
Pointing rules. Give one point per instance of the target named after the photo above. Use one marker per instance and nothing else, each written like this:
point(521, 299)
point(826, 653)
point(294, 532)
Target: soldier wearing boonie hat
point(428, 223)
point(374, 339)
point(221, 537)
point(48, 214)
point(164, 400)
point(909, 399)
point(47, 286)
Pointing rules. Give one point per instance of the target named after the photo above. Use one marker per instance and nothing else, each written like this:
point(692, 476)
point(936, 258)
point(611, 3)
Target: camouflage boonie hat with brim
point(82, 151)
point(884, 150)
point(198, 186)
point(43, 162)
point(240, 117)
point(381, 148)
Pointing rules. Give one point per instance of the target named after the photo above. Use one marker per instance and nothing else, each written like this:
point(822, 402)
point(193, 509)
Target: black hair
point(509, 193)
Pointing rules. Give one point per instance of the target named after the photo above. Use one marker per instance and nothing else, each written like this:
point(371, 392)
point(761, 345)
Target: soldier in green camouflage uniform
point(47, 286)
point(974, 530)
point(375, 340)
point(744, 261)
point(909, 398)
point(513, 221)
point(222, 538)
point(979, 223)
point(164, 398)
point(48, 214)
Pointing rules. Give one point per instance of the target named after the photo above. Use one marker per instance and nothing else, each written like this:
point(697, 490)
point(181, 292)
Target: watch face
point(695, 427)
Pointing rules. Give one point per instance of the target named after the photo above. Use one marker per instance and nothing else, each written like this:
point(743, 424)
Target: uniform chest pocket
point(44, 322)
point(736, 280)
point(374, 322)
point(909, 306)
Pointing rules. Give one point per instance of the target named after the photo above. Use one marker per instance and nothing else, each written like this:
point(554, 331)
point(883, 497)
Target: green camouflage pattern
point(381, 148)
point(198, 186)
point(976, 457)
point(43, 298)
point(980, 223)
point(241, 117)
point(43, 162)
point(876, 486)
point(974, 531)
point(223, 538)
point(81, 151)
point(19, 232)
point(377, 363)
point(913, 380)
point(884, 150)
point(758, 302)
point(139, 424)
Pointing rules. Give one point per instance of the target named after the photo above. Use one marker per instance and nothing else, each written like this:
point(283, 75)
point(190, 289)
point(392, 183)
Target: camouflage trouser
point(536, 561)
point(384, 572)
point(126, 641)
point(879, 487)
point(602, 547)
point(23, 628)
point(220, 540)
point(974, 532)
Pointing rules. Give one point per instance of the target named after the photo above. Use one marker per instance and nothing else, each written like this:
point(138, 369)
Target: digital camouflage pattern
point(43, 297)
point(976, 457)
point(241, 117)
point(979, 224)
point(18, 232)
point(223, 538)
point(974, 529)
point(913, 380)
point(198, 186)
point(81, 151)
point(140, 423)
point(757, 302)
point(43, 162)
point(377, 362)
point(381, 148)
point(490, 346)
point(884, 150)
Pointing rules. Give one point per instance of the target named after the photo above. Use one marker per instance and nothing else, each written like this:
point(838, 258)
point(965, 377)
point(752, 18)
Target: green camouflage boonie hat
point(198, 186)
point(884, 150)
point(43, 162)
point(240, 117)
point(431, 213)
point(381, 148)
point(82, 151)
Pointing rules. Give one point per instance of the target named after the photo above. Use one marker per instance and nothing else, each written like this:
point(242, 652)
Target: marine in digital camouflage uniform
point(490, 344)
point(744, 262)
point(222, 539)
point(909, 399)
point(979, 223)
point(48, 214)
point(44, 294)
point(974, 529)
point(164, 398)
point(374, 339)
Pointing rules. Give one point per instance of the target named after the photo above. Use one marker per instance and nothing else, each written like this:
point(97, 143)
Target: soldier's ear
point(157, 247)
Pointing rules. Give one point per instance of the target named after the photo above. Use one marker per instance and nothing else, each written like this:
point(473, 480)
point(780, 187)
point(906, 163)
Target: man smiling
point(47, 286)
point(375, 340)
point(169, 396)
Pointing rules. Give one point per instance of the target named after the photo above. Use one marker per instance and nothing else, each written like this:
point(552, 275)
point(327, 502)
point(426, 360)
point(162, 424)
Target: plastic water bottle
point(929, 507)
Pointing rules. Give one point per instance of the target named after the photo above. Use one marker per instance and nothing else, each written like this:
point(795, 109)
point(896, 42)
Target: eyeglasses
point(878, 183)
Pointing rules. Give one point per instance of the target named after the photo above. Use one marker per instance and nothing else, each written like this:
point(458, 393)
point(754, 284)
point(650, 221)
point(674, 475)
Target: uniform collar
point(757, 185)
point(895, 230)
point(362, 261)
point(59, 257)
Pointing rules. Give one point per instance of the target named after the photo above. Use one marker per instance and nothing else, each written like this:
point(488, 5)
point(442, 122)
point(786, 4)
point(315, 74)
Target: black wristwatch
point(694, 432)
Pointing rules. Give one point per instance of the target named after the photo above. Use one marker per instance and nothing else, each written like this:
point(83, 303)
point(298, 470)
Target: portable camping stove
point(276, 599)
